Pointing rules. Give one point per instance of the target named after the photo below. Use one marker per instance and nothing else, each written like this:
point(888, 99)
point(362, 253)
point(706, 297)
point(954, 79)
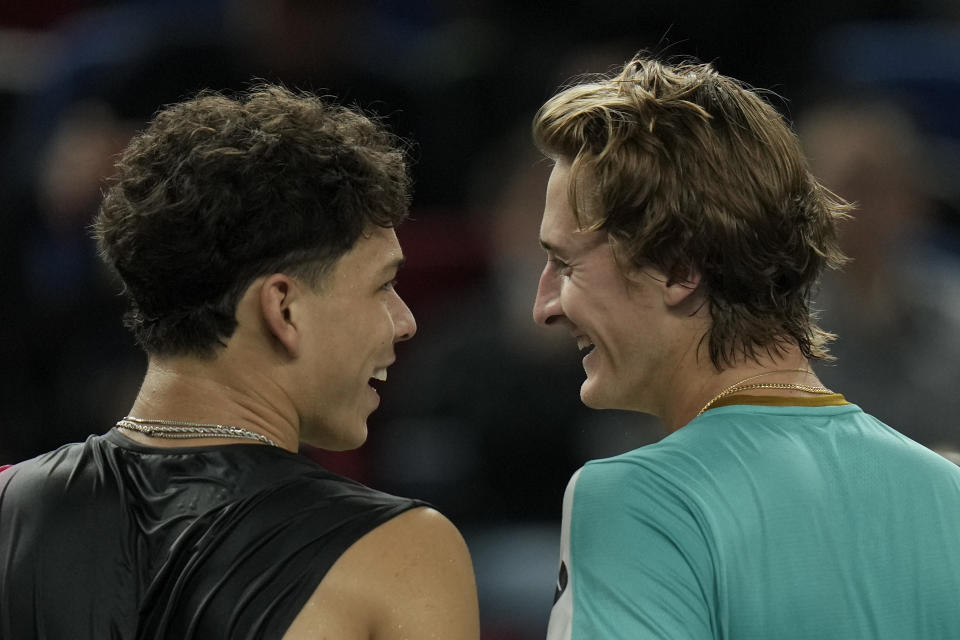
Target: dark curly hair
point(219, 190)
point(690, 170)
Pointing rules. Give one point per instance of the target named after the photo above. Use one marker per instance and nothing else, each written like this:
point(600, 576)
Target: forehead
point(559, 229)
point(376, 250)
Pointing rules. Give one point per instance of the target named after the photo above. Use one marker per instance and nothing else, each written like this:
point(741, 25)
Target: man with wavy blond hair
point(684, 237)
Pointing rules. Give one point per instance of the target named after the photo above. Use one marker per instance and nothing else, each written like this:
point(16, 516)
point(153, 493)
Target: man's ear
point(278, 295)
point(679, 289)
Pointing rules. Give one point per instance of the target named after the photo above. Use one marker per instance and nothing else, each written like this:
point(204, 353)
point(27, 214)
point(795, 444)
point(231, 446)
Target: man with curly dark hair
point(254, 237)
point(684, 238)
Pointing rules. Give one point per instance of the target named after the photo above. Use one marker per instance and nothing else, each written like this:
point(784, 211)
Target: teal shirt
point(762, 522)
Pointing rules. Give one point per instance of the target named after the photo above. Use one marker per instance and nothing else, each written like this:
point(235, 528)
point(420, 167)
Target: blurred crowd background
point(481, 414)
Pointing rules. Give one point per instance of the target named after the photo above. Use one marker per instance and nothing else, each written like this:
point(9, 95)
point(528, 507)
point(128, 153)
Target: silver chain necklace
point(176, 429)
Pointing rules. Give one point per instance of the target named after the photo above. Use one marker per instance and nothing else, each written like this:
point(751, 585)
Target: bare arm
point(409, 579)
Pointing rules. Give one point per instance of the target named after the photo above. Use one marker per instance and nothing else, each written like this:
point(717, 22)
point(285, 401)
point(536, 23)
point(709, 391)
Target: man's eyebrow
point(396, 264)
point(554, 250)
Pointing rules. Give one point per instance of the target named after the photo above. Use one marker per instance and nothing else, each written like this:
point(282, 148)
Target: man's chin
point(596, 395)
point(590, 396)
point(340, 440)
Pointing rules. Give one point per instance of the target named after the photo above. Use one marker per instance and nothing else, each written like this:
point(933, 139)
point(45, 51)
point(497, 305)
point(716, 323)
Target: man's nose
point(546, 306)
point(405, 325)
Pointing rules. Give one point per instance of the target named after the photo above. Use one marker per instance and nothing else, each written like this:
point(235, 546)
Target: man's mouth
point(584, 344)
point(379, 376)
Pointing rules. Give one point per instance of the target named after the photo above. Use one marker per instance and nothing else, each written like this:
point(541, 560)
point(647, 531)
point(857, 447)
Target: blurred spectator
point(896, 305)
point(74, 347)
point(917, 63)
point(111, 68)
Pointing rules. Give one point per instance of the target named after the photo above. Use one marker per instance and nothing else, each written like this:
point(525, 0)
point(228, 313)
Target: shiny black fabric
point(108, 539)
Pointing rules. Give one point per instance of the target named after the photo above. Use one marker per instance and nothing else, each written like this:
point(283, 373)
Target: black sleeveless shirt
point(110, 539)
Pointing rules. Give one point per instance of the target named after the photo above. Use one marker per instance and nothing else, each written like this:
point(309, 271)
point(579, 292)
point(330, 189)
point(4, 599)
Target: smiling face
point(354, 319)
point(616, 317)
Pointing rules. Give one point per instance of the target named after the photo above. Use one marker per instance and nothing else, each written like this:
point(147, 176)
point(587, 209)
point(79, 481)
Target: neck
point(701, 384)
point(200, 391)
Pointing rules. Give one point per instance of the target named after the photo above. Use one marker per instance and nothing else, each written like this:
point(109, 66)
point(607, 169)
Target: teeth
point(380, 374)
point(583, 342)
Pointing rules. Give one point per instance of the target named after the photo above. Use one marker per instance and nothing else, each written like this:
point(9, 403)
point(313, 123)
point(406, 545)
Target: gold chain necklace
point(176, 429)
point(739, 386)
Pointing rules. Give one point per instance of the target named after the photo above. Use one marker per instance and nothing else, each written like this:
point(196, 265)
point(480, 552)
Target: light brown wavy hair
point(219, 190)
point(692, 171)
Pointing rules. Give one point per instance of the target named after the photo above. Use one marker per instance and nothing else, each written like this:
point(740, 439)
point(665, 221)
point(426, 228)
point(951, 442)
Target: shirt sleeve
point(639, 560)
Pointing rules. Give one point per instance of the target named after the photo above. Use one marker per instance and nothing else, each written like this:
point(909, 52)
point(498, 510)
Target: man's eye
point(389, 286)
point(561, 266)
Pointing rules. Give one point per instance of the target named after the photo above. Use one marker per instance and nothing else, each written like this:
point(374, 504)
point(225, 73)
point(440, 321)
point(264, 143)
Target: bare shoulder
point(410, 578)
